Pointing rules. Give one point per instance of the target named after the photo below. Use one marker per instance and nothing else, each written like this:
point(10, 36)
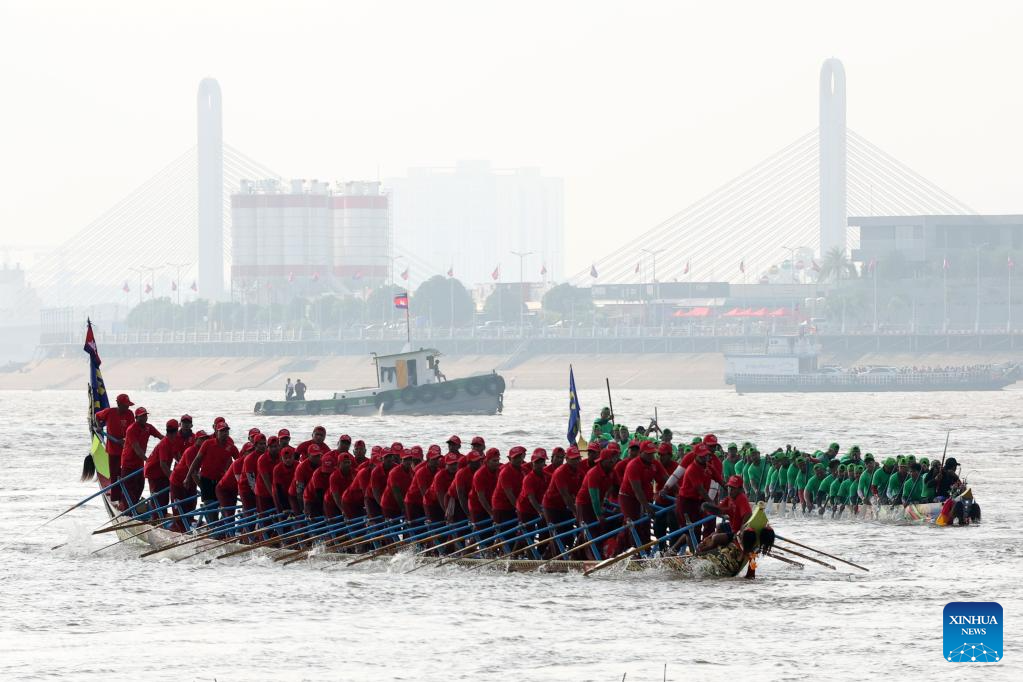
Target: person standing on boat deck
point(211, 462)
point(557, 459)
point(289, 390)
point(484, 483)
point(318, 438)
point(158, 466)
point(265, 474)
point(509, 485)
point(461, 486)
point(436, 501)
point(694, 491)
point(737, 510)
point(133, 453)
point(284, 474)
point(300, 390)
point(559, 498)
point(528, 506)
point(248, 471)
point(303, 474)
point(116, 420)
point(353, 500)
point(378, 479)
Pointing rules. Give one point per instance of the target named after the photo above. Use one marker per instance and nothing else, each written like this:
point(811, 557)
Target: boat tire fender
point(494, 384)
point(447, 390)
point(408, 395)
point(474, 386)
point(426, 393)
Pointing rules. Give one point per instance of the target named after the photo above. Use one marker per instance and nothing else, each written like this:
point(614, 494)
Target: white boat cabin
point(414, 368)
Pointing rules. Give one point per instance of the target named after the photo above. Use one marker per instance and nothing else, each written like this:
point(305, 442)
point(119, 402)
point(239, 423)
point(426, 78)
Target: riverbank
point(324, 375)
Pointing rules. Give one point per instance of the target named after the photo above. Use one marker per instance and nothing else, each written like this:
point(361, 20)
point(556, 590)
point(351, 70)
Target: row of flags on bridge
point(149, 287)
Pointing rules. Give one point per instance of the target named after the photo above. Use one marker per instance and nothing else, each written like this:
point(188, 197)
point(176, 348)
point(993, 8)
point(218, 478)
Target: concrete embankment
point(652, 371)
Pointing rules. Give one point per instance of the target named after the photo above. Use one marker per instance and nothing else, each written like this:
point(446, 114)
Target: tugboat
point(788, 364)
point(407, 383)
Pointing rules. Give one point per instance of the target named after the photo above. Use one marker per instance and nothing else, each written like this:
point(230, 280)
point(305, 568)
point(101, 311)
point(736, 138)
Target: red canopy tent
point(734, 312)
point(760, 312)
point(780, 312)
point(695, 312)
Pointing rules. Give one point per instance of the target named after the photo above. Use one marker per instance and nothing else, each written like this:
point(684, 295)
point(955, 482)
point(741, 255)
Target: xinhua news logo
point(972, 632)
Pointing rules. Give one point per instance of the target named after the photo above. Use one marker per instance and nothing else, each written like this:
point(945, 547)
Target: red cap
point(346, 457)
point(376, 450)
point(634, 443)
point(664, 449)
point(734, 481)
point(478, 440)
point(272, 440)
point(284, 433)
point(201, 434)
point(647, 446)
point(377, 456)
point(710, 439)
point(139, 411)
point(417, 451)
point(456, 440)
point(408, 454)
point(172, 424)
point(474, 456)
point(186, 418)
point(329, 461)
point(320, 428)
point(253, 431)
point(607, 454)
point(359, 442)
point(613, 445)
point(345, 437)
point(123, 399)
point(314, 449)
point(538, 454)
point(593, 446)
point(260, 438)
point(397, 447)
point(434, 449)
point(573, 453)
point(557, 449)
point(492, 453)
point(516, 451)
point(700, 449)
point(436, 453)
point(221, 425)
point(451, 458)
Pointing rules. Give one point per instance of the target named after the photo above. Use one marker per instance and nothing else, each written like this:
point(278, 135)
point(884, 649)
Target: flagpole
point(408, 326)
point(944, 295)
point(875, 295)
point(1011, 266)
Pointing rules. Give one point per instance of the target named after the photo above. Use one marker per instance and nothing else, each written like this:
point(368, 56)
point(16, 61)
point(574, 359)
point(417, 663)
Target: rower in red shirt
point(422, 483)
point(265, 474)
point(157, 468)
point(694, 491)
point(529, 505)
point(378, 480)
point(284, 474)
point(248, 470)
point(458, 492)
point(318, 438)
point(303, 474)
point(399, 480)
point(559, 499)
point(636, 493)
point(116, 420)
point(133, 454)
point(508, 487)
point(589, 501)
point(319, 483)
point(484, 481)
point(353, 499)
point(592, 455)
point(557, 459)
point(338, 484)
point(182, 485)
point(436, 500)
point(211, 462)
point(736, 507)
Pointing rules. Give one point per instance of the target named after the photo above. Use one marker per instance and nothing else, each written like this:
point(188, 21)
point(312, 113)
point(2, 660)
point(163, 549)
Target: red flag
point(593, 271)
point(316, 277)
point(195, 287)
point(291, 277)
point(401, 301)
point(496, 273)
point(872, 265)
point(945, 263)
point(404, 273)
point(358, 275)
point(269, 286)
point(543, 269)
point(174, 285)
point(686, 271)
point(149, 289)
point(125, 288)
point(451, 271)
point(742, 266)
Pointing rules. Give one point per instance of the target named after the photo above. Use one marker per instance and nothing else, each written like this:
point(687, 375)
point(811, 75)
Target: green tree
point(835, 266)
point(154, 314)
point(568, 302)
point(438, 298)
point(380, 303)
point(504, 304)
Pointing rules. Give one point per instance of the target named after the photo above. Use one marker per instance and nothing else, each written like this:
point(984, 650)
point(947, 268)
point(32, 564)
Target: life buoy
point(494, 384)
point(426, 393)
point(447, 390)
point(474, 386)
point(385, 400)
point(408, 395)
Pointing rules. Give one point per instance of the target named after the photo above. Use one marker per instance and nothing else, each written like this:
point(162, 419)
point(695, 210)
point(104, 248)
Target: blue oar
point(550, 528)
point(636, 550)
point(229, 528)
point(207, 531)
point(140, 521)
point(592, 541)
point(342, 526)
point(465, 551)
point(422, 536)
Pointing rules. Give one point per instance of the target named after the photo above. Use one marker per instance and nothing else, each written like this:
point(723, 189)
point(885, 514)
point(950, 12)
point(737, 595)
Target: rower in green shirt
point(897, 481)
point(824, 492)
point(863, 495)
point(812, 493)
point(913, 488)
point(753, 477)
point(879, 482)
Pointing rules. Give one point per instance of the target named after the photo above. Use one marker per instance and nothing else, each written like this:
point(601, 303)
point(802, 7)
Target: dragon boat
point(924, 513)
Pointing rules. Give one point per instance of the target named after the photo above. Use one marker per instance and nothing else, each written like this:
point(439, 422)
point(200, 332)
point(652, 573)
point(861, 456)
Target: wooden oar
point(150, 529)
point(803, 556)
point(539, 543)
point(830, 556)
point(243, 536)
point(460, 553)
point(292, 538)
point(396, 546)
point(453, 540)
point(213, 528)
point(788, 561)
point(636, 550)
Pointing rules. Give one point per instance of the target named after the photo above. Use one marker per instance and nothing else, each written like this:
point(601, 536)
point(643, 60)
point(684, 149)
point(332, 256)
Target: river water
point(70, 614)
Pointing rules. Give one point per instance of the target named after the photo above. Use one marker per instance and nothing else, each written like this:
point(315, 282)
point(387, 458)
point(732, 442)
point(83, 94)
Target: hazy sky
point(641, 107)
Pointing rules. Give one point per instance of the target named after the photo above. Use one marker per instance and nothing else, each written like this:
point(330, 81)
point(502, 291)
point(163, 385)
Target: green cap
point(855, 447)
point(733, 446)
point(911, 458)
point(841, 468)
point(924, 461)
point(868, 457)
point(902, 460)
point(818, 467)
point(860, 468)
point(833, 445)
point(889, 461)
point(817, 453)
point(695, 440)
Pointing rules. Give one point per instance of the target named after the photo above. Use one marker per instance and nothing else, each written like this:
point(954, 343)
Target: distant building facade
point(472, 216)
point(934, 238)
point(308, 238)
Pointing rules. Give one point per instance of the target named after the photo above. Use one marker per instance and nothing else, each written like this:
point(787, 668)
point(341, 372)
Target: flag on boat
point(574, 414)
point(98, 400)
point(593, 271)
point(401, 301)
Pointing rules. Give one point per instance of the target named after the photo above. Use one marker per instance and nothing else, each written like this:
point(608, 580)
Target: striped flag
point(574, 413)
point(401, 301)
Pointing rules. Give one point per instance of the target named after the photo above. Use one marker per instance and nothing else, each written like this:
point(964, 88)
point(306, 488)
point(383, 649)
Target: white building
point(471, 217)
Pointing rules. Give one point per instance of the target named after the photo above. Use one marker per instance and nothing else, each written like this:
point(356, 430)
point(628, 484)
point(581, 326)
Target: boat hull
point(916, 514)
point(470, 395)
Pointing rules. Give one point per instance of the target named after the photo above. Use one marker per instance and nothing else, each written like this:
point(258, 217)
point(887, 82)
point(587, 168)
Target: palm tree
point(836, 267)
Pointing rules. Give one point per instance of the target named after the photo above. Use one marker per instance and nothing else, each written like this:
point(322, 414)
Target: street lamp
point(522, 287)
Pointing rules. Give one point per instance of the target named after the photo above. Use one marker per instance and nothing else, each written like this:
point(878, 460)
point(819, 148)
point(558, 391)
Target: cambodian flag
point(574, 413)
point(100, 400)
point(401, 301)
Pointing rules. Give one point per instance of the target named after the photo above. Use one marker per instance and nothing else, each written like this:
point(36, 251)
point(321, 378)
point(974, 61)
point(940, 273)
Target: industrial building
point(935, 238)
point(471, 217)
point(308, 238)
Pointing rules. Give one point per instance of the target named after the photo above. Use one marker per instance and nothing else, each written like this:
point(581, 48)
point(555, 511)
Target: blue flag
point(574, 416)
